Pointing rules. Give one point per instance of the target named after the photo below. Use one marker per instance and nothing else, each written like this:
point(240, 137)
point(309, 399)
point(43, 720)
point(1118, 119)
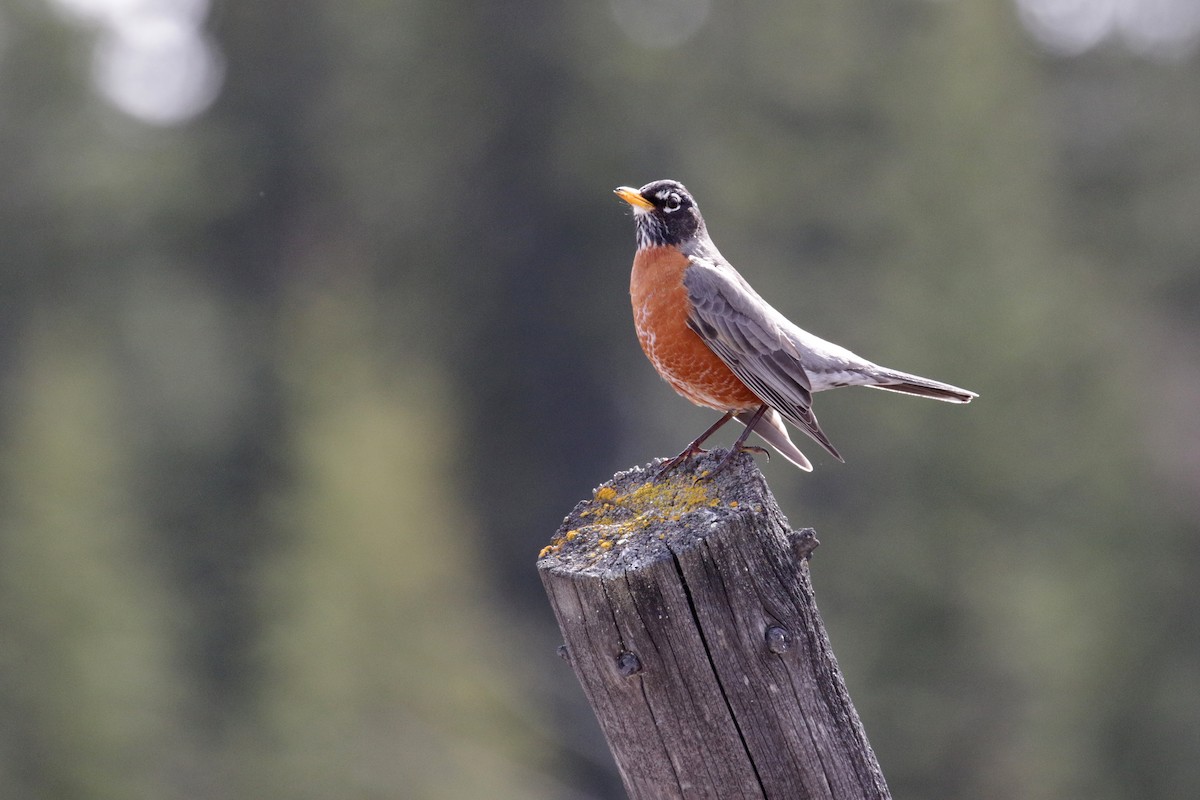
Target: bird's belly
point(660, 311)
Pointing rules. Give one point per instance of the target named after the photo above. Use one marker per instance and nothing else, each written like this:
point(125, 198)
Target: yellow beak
point(633, 197)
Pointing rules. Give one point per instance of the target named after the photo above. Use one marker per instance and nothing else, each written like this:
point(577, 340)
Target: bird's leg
point(694, 448)
point(740, 445)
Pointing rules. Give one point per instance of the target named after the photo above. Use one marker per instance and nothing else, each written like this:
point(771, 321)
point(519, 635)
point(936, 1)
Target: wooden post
point(689, 619)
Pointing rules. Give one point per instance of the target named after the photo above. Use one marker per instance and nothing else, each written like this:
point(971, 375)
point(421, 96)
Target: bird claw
point(672, 463)
point(722, 465)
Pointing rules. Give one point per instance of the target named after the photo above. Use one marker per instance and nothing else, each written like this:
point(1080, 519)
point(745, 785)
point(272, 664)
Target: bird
point(719, 344)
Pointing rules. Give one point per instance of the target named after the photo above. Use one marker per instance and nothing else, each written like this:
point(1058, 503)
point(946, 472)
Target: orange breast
point(660, 309)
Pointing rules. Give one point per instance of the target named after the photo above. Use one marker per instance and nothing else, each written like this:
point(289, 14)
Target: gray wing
point(736, 324)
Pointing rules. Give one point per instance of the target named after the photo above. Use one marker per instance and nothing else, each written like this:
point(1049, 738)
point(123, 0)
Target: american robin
point(720, 345)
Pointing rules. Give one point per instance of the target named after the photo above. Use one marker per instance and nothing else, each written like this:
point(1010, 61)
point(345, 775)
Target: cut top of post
point(632, 519)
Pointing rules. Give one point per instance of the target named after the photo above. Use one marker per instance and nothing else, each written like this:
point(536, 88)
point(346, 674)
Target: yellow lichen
point(606, 494)
point(616, 514)
point(620, 514)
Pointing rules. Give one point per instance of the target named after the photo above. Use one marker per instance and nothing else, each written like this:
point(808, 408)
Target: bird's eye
point(672, 202)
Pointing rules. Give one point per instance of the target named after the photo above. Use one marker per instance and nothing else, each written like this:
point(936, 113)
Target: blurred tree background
point(316, 323)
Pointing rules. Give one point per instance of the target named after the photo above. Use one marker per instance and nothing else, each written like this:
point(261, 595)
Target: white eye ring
point(673, 202)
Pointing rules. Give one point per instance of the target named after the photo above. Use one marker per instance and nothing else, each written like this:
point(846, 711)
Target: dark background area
point(315, 324)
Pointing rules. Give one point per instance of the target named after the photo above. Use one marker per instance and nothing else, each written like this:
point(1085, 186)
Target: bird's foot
point(671, 463)
point(694, 448)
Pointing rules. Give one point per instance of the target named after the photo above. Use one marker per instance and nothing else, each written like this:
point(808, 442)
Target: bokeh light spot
point(162, 73)
point(152, 60)
point(1161, 29)
point(660, 23)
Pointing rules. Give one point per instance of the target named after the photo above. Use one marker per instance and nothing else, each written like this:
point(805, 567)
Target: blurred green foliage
point(294, 391)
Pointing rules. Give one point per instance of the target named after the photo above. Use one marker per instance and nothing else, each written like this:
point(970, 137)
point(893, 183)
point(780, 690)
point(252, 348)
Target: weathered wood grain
point(690, 621)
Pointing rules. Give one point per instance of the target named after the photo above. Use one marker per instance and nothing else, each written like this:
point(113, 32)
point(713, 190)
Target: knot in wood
point(804, 541)
point(779, 639)
point(628, 664)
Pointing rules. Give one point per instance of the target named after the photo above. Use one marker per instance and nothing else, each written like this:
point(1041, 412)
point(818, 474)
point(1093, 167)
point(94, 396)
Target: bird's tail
point(905, 383)
point(770, 428)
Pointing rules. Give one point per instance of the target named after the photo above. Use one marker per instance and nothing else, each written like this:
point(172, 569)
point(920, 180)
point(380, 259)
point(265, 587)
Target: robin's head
point(664, 212)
